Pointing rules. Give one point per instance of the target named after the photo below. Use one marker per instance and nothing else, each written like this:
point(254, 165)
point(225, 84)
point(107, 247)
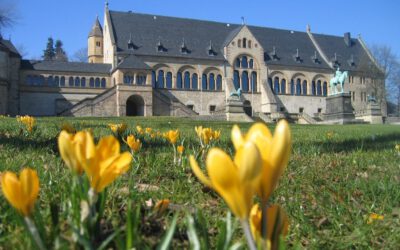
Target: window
point(71, 81)
point(103, 82)
point(304, 87)
point(187, 80)
point(160, 79)
point(41, 80)
point(212, 82)
point(249, 44)
point(319, 87)
point(190, 106)
point(219, 82)
point(298, 87)
point(204, 82)
point(56, 81)
point(292, 87)
point(276, 85)
point(245, 81)
point(83, 82)
point(179, 80)
point(270, 83)
point(251, 62)
point(97, 83)
point(319, 111)
point(50, 81)
point(325, 89)
point(237, 65)
point(283, 86)
point(212, 108)
point(244, 42)
point(77, 82)
point(313, 89)
point(153, 79)
point(236, 79)
point(169, 80)
point(239, 43)
point(98, 44)
point(141, 79)
point(245, 64)
point(62, 81)
point(91, 82)
point(195, 81)
point(301, 110)
point(254, 81)
point(128, 79)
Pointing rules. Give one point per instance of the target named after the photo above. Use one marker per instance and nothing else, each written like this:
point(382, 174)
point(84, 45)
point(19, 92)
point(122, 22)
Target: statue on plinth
point(237, 94)
point(338, 79)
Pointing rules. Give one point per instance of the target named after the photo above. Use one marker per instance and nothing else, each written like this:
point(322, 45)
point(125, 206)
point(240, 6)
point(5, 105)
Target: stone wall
point(309, 104)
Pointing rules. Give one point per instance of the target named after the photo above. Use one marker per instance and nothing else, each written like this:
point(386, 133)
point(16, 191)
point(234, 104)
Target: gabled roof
point(132, 62)
point(66, 66)
point(9, 46)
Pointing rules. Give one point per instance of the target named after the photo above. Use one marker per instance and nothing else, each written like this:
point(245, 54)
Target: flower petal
point(30, 188)
point(249, 162)
point(236, 136)
point(197, 171)
point(12, 190)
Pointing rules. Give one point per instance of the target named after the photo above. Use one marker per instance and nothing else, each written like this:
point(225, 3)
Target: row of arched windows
point(129, 79)
point(62, 81)
point(186, 80)
point(244, 43)
point(245, 80)
point(298, 87)
point(244, 63)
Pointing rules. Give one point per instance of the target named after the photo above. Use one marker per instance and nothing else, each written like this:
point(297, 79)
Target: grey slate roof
point(66, 66)
point(8, 45)
point(147, 30)
point(97, 30)
point(132, 62)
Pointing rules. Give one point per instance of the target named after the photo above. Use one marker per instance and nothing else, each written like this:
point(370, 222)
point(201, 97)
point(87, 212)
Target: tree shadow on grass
point(369, 143)
point(24, 143)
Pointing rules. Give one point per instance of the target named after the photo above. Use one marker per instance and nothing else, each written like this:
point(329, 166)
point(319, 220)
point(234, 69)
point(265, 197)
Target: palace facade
point(150, 65)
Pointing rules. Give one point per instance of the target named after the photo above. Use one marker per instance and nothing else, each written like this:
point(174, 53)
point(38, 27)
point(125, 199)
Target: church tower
point(95, 43)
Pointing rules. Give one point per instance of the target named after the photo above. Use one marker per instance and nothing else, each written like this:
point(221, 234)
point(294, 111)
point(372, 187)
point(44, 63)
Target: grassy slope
point(333, 182)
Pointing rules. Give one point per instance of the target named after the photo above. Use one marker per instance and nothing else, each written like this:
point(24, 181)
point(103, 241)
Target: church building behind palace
point(148, 65)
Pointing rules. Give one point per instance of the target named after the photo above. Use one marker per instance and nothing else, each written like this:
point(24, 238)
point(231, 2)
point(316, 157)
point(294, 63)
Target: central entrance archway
point(247, 108)
point(135, 106)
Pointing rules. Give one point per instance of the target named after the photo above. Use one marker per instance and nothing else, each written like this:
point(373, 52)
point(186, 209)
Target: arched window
point(50, 81)
point(187, 80)
point(304, 87)
point(77, 82)
point(141, 79)
point(62, 81)
point(254, 81)
point(160, 79)
point(251, 62)
point(292, 87)
point(298, 87)
point(128, 79)
point(244, 42)
point(41, 80)
point(245, 81)
point(249, 44)
point(71, 81)
point(239, 43)
point(153, 79)
point(219, 82)
point(270, 84)
point(103, 82)
point(212, 82)
point(179, 80)
point(56, 81)
point(245, 64)
point(97, 82)
point(283, 86)
point(91, 82)
point(195, 81)
point(28, 80)
point(319, 91)
point(204, 82)
point(313, 89)
point(237, 65)
point(325, 89)
point(236, 79)
point(276, 85)
point(169, 80)
point(83, 82)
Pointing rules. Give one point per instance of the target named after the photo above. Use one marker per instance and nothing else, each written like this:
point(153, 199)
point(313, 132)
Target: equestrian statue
point(338, 79)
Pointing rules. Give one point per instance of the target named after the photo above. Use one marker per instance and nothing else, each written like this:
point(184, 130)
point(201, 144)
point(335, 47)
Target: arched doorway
point(247, 108)
point(135, 106)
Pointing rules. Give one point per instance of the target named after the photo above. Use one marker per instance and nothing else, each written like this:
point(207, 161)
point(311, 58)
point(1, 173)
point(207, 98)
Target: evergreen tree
point(60, 54)
point(49, 53)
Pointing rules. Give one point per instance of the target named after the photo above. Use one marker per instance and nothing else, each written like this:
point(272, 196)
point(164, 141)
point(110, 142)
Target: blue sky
point(377, 21)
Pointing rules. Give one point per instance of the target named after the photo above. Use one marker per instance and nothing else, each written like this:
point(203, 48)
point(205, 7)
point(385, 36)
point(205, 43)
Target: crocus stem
point(247, 233)
point(34, 232)
point(264, 222)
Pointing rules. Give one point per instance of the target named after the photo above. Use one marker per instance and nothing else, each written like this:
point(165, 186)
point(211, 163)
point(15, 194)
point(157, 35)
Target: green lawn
point(337, 176)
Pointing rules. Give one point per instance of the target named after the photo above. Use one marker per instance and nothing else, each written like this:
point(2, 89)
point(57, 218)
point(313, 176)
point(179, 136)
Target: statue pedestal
point(339, 109)
point(234, 109)
point(372, 114)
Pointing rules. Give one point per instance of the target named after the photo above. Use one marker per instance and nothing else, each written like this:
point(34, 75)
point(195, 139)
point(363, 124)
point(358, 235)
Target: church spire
point(97, 30)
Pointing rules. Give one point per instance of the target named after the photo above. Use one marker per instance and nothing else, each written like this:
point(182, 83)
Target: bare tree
point(7, 15)
point(80, 55)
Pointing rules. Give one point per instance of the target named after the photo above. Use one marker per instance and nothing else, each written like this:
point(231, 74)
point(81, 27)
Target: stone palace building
point(150, 65)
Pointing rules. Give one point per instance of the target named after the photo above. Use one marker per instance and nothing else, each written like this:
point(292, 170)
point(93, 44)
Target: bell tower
point(95, 43)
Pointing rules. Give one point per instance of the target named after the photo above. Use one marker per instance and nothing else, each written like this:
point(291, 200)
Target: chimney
point(347, 39)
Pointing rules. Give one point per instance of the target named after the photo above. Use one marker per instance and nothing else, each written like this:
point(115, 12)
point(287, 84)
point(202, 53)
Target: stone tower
point(95, 43)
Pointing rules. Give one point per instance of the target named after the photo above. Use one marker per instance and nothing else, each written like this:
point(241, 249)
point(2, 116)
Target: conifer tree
point(60, 54)
point(49, 53)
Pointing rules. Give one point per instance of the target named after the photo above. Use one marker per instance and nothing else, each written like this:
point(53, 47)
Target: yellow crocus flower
point(21, 192)
point(275, 152)
point(234, 180)
point(172, 136)
point(148, 130)
point(217, 134)
point(67, 147)
point(28, 121)
point(118, 128)
point(133, 143)
point(68, 127)
point(139, 129)
point(180, 149)
point(277, 225)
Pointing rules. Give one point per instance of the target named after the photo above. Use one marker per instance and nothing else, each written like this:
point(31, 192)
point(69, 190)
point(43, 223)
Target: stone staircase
point(92, 106)
point(304, 118)
point(177, 108)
